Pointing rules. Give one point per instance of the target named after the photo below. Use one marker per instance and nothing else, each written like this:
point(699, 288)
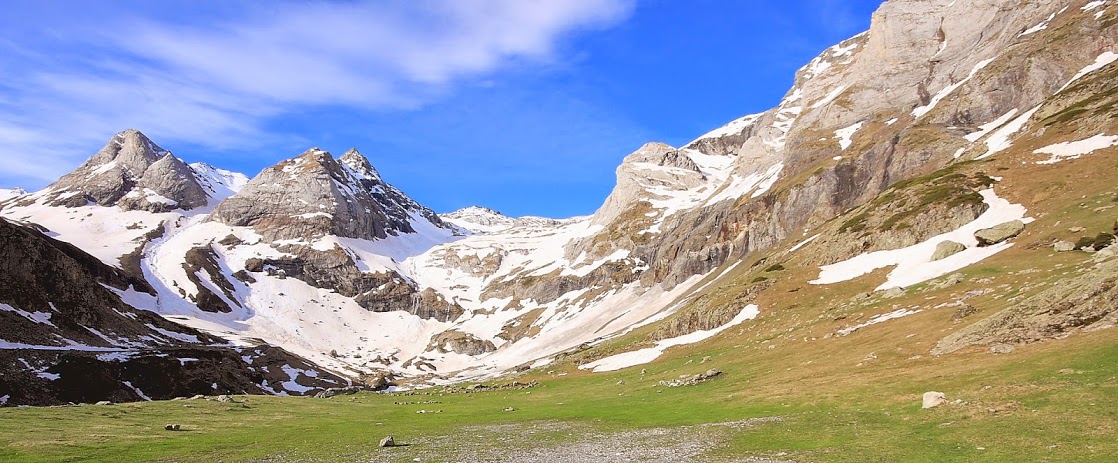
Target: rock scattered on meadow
point(934, 399)
point(999, 233)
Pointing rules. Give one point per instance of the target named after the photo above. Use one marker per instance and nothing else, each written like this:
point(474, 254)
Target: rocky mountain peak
point(359, 164)
point(314, 195)
point(130, 149)
point(131, 172)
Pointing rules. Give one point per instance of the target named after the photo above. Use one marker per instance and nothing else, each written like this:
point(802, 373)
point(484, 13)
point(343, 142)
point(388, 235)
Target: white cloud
point(216, 81)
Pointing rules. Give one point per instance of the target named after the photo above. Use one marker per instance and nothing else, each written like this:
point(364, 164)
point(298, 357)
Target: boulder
point(934, 399)
point(335, 391)
point(104, 402)
point(999, 233)
point(388, 441)
point(947, 249)
point(171, 427)
point(1064, 246)
point(1002, 349)
point(225, 398)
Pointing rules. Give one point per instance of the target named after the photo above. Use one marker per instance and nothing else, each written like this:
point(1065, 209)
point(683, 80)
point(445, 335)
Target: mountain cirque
point(888, 145)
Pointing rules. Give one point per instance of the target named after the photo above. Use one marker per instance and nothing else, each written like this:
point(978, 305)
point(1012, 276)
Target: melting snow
point(999, 140)
point(899, 313)
point(914, 263)
point(293, 373)
point(733, 128)
point(42, 318)
point(922, 110)
point(801, 244)
point(136, 390)
point(844, 135)
point(646, 355)
point(1074, 149)
point(1100, 62)
point(1039, 27)
point(986, 128)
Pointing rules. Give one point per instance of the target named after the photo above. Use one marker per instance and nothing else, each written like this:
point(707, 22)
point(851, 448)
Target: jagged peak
point(359, 164)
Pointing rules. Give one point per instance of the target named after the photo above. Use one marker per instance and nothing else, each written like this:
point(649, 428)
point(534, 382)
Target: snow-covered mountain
point(9, 193)
point(322, 257)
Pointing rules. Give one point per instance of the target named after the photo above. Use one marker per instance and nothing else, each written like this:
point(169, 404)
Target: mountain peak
point(132, 172)
point(359, 164)
point(314, 195)
point(129, 149)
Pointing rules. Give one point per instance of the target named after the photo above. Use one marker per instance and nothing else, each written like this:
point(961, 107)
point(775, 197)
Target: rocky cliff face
point(930, 84)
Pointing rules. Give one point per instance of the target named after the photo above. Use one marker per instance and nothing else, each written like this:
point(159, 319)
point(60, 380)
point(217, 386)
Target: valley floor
point(1056, 401)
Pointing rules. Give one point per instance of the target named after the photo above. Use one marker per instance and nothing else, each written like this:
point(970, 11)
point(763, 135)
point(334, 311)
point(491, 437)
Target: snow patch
point(646, 355)
point(899, 313)
point(42, 318)
point(829, 98)
point(922, 110)
point(136, 390)
point(1039, 27)
point(844, 135)
point(733, 128)
point(802, 244)
point(914, 264)
point(1074, 149)
point(986, 128)
point(999, 140)
point(1100, 62)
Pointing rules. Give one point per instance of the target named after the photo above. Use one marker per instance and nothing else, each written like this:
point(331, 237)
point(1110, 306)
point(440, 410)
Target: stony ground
point(561, 442)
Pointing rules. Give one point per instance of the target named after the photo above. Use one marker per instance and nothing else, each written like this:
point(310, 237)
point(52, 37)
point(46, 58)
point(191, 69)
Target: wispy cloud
point(216, 77)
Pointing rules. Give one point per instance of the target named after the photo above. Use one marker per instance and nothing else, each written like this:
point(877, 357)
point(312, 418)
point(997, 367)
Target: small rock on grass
point(1064, 246)
point(171, 427)
point(934, 399)
point(388, 441)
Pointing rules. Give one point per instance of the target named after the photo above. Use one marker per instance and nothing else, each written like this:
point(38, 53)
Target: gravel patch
point(562, 442)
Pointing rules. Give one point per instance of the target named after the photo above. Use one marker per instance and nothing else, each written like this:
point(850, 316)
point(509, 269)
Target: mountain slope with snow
point(321, 256)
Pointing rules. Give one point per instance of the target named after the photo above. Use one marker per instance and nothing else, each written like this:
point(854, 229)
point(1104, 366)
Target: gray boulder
point(999, 233)
point(933, 399)
point(388, 441)
point(1064, 246)
point(947, 249)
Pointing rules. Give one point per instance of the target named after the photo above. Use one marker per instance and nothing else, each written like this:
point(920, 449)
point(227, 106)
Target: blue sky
point(523, 106)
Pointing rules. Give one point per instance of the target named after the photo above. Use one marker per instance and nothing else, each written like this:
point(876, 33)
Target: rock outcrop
point(1082, 303)
point(999, 233)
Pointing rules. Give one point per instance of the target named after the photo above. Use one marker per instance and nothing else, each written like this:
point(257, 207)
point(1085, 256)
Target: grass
point(873, 415)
